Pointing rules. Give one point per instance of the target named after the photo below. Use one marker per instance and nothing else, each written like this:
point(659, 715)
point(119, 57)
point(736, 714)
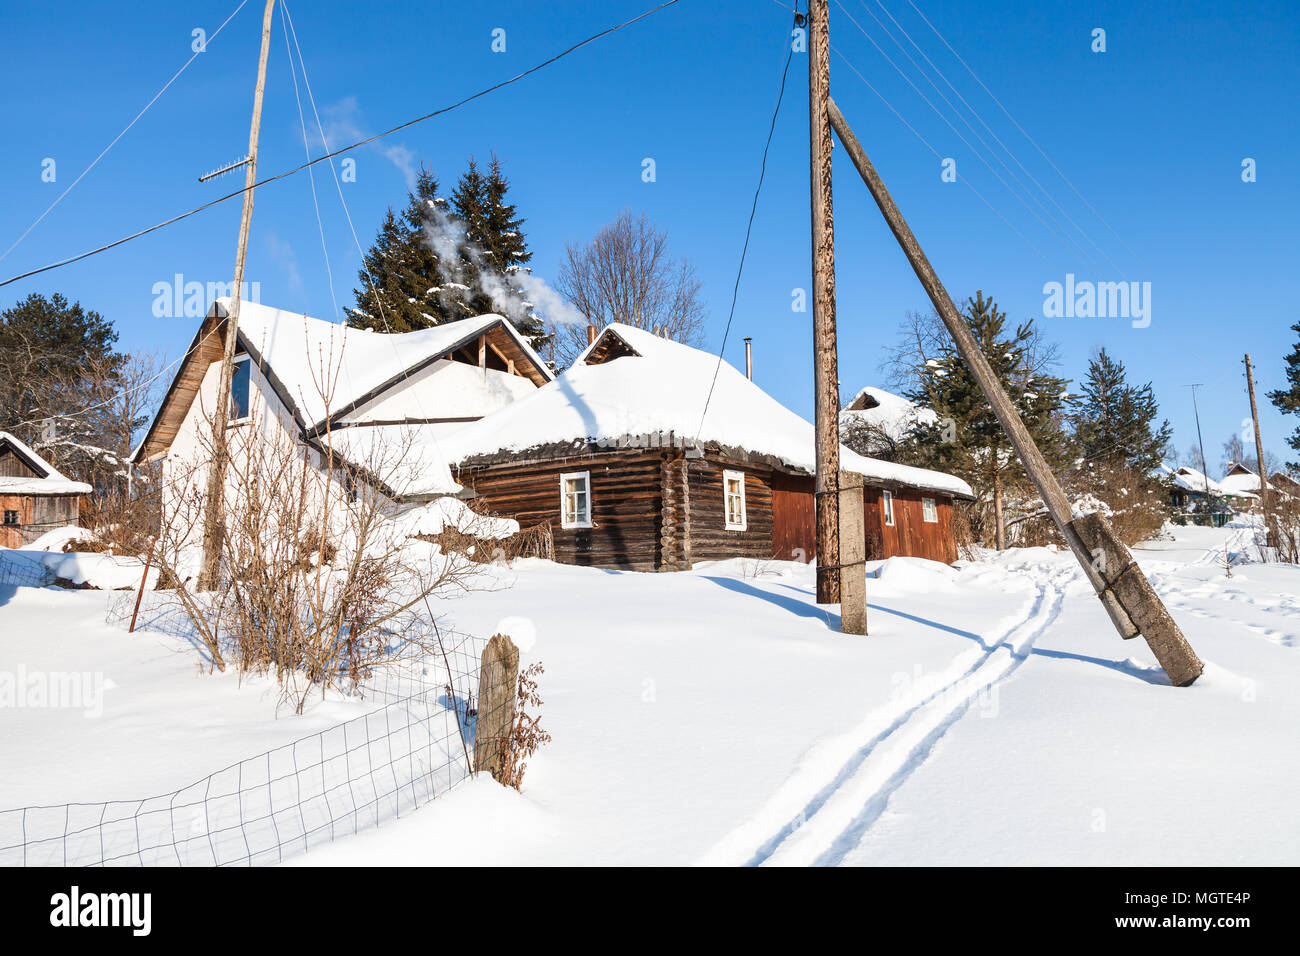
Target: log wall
point(625, 503)
point(710, 539)
point(659, 510)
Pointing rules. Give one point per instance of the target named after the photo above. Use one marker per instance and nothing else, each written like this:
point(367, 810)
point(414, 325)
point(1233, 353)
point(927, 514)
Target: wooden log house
point(619, 456)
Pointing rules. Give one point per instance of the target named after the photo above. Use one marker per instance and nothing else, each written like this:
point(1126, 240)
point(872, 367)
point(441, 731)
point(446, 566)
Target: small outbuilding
point(35, 497)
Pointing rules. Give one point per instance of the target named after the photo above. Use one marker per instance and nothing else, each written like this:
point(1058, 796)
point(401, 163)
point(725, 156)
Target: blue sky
point(1152, 133)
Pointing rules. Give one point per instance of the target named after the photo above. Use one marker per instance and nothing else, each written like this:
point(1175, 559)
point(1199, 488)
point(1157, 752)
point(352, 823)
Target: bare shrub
point(527, 735)
point(123, 518)
point(534, 542)
point(1283, 533)
point(322, 576)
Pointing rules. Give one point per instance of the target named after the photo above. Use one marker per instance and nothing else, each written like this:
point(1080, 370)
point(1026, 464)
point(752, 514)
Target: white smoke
point(518, 293)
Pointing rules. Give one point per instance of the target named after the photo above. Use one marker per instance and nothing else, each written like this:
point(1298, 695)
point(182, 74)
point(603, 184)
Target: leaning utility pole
point(1264, 493)
point(214, 518)
point(1124, 591)
point(825, 363)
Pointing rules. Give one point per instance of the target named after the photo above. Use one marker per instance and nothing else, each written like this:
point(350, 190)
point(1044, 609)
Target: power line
point(997, 139)
point(1023, 132)
point(941, 116)
point(370, 139)
point(1065, 236)
point(311, 98)
point(306, 149)
point(753, 208)
point(993, 209)
point(926, 143)
point(125, 129)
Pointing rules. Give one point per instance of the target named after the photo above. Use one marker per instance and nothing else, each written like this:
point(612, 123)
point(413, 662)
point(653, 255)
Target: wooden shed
point(621, 458)
point(35, 497)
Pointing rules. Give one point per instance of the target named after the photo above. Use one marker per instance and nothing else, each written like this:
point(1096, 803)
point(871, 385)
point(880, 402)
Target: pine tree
point(1114, 422)
point(1288, 399)
point(967, 439)
point(402, 283)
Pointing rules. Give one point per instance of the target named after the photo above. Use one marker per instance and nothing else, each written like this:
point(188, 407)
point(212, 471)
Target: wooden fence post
point(140, 594)
point(853, 556)
point(497, 684)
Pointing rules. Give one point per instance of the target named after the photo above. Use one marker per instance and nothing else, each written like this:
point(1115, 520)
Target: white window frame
point(583, 521)
point(743, 523)
point(887, 506)
point(929, 510)
point(248, 412)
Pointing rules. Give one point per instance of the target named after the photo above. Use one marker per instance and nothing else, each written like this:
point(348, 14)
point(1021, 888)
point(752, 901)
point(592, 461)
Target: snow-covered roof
point(893, 415)
point(1190, 479)
point(660, 386)
point(53, 481)
point(1241, 481)
point(308, 355)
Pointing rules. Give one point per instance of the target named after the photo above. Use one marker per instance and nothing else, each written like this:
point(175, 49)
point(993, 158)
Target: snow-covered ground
point(991, 716)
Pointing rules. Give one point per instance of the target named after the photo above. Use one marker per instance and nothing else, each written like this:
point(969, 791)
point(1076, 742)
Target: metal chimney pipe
point(749, 358)
point(591, 333)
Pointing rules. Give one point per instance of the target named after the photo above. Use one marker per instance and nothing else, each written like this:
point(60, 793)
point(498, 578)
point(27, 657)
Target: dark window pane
point(239, 390)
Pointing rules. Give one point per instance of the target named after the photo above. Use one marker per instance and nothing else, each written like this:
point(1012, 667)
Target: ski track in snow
point(829, 824)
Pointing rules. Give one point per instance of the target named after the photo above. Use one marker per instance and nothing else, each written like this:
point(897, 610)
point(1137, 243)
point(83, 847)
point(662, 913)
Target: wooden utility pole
point(1124, 591)
point(1200, 442)
point(825, 363)
point(1265, 495)
point(214, 518)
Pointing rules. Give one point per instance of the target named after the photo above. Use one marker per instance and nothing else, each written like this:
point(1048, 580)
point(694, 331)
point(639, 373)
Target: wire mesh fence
point(23, 569)
point(412, 747)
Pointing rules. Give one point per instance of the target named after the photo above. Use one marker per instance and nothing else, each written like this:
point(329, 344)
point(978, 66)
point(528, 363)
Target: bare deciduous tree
point(626, 274)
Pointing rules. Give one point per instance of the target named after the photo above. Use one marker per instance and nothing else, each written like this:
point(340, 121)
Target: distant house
point(336, 391)
point(34, 497)
point(881, 420)
point(1240, 480)
point(1191, 490)
point(621, 457)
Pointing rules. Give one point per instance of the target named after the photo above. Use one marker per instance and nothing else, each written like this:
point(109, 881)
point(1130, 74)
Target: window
point(733, 499)
point(240, 383)
point(887, 506)
point(928, 511)
point(11, 517)
point(575, 499)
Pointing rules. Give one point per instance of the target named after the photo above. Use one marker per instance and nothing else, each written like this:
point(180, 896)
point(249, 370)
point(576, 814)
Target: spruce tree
point(967, 439)
point(1114, 422)
point(494, 258)
point(1288, 399)
point(402, 276)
